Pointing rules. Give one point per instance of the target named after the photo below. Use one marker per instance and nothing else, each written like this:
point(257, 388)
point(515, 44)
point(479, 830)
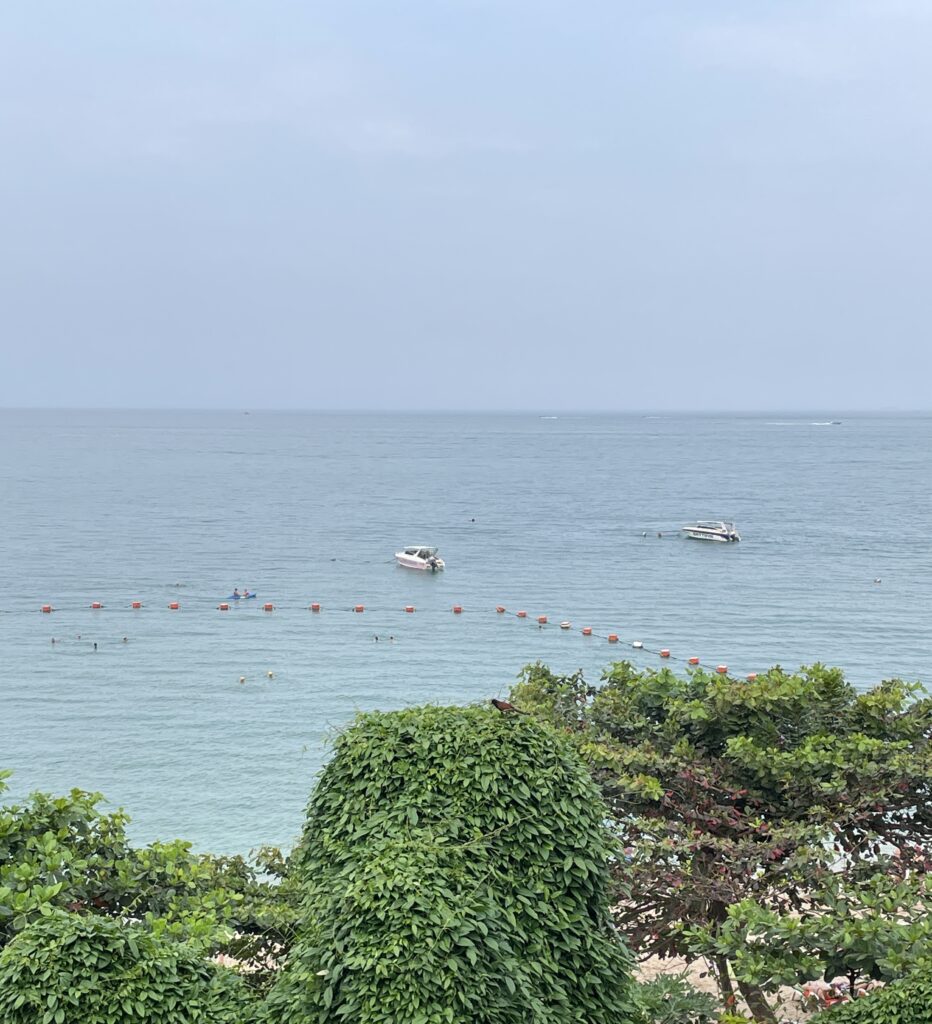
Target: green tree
point(875, 928)
point(723, 790)
point(454, 861)
point(84, 969)
point(65, 853)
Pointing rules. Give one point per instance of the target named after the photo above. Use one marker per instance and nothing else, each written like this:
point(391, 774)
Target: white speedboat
point(712, 530)
point(420, 558)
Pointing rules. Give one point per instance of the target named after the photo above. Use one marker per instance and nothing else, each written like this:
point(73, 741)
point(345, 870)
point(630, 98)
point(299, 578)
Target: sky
point(466, 204)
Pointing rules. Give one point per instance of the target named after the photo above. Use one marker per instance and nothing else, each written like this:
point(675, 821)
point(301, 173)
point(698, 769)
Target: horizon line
point(472, 411)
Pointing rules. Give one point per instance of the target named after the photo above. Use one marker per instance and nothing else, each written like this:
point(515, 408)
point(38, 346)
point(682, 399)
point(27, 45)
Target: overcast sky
point(466, 204)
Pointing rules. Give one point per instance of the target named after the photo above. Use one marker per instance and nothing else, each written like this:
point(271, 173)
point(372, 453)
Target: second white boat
point(716, 530)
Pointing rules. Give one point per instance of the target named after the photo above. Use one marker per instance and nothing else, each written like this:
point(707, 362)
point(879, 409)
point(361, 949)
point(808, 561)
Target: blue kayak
point(240, 597)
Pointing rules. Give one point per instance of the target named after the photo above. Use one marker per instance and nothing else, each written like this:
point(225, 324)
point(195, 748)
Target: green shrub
point(670, 999)
point(65, 853)
point(454, 862)
point(907, 1001)
point(74, 969)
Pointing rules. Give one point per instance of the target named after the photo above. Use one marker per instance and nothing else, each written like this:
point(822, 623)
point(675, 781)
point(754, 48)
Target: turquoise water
point(533, 513)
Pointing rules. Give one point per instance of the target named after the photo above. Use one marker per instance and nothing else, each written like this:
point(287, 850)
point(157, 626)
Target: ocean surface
point(556, 516)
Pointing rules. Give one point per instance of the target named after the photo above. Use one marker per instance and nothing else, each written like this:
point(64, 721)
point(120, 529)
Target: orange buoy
point(500, 608)
point(136, 604)
point(409, 608)
point(96, 604)
point(566, 625)
point(542, 619)
point(457, 609)
point(173, 606)
point(522, 615)
point(693, 661)
point(664, 653)
point(751, 677)
point(587, 631)
point(47, 608)
point(223, 607)
point(268, 606)
point(722, 670)
point(315, 607)
point(613, 638)
point(359, 608)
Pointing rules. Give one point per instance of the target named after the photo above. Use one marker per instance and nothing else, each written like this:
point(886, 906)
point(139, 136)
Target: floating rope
point(541, 621)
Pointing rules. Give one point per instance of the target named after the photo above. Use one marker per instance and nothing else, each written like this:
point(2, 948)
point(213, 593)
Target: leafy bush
point(74, 969)
point(63, 852)
point(908, 1001)
point(455, 869)
point(56, 851)
point(670, 999)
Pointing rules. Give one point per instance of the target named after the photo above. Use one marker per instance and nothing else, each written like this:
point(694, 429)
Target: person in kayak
point(236, 593)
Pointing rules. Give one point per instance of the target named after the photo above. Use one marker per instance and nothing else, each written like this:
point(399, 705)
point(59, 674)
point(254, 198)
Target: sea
point(212, 725)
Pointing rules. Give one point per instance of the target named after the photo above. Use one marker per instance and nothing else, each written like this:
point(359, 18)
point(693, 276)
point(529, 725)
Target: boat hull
point(717, 538)
point(408, 562)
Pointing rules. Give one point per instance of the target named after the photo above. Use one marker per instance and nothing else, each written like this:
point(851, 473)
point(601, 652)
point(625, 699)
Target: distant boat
point(420, 557)
point(240, 597)
point(712, 530)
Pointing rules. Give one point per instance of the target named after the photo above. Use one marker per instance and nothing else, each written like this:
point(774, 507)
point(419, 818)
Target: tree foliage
point(725, 790)
point(876, 928)
point(66, 853)
point(84, 969)
point(671, 999)
point(454, 864)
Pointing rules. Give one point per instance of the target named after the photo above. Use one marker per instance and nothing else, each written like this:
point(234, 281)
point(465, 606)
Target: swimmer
point(124, 639)
point(376, 638)
point(270, 674)
point(877, 580)
point(95, 645)
point(242, 679)
point(391, 639)
point(53, 639)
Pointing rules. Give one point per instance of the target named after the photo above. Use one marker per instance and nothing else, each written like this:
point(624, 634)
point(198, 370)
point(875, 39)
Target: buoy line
point(613, 638)
point(317, 608)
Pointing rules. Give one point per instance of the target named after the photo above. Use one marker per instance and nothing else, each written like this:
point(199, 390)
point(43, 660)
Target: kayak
point(240, 597)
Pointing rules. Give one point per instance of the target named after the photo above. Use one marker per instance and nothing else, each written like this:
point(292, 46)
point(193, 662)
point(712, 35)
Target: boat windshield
point(421, 552)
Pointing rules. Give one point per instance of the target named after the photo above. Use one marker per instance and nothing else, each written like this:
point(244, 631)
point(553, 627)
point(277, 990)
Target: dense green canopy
point(455, 870)
point(85, 969)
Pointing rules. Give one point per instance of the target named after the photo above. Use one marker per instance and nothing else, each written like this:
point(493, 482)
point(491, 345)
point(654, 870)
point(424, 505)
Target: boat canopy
point(421, 552)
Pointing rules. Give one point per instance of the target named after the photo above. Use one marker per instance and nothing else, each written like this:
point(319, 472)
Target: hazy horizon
point(545, 413)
